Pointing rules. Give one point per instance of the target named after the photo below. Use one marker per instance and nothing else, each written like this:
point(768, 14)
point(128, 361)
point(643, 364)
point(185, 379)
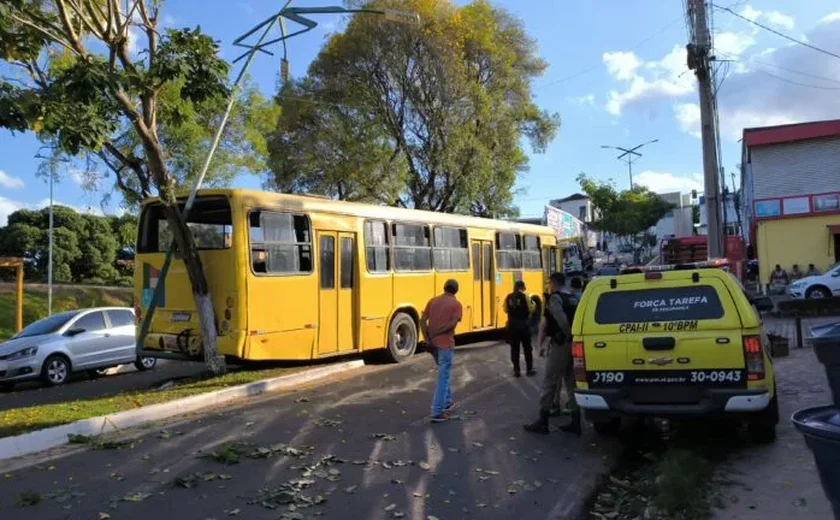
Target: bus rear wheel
point(402, 338)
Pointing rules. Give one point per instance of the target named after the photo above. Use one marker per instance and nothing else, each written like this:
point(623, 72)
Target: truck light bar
point(719, 263)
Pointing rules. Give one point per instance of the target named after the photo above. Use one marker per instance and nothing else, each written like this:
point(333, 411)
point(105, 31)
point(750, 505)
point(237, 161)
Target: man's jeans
point(443, 391)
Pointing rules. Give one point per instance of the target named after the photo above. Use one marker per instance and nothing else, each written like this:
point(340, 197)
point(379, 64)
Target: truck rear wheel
point(762, 429)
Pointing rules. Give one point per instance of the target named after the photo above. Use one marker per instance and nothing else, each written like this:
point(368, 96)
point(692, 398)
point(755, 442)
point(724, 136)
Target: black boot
point(575, 425)
point(540, 425)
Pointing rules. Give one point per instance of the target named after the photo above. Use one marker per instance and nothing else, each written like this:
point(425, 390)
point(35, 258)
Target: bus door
point(336, 302)
point(482, 255)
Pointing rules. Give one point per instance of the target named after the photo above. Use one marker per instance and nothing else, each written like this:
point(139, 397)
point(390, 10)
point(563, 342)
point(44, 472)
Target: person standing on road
point(812, 271)
point(795, 273)
point(437, 324)
point(519, 309)
point(561, 407)
point(558, 367)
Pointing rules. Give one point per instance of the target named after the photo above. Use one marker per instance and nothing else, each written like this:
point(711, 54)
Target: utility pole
point(699, 60)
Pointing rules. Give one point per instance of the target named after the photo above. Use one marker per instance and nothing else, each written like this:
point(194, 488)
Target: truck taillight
point(754, 358)
point(579, 361)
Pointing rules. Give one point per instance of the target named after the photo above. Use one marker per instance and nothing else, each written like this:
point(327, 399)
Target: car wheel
point(145, 363)
point(56, 370)
point(762, 429)
point(402, 338)
point(817, 293)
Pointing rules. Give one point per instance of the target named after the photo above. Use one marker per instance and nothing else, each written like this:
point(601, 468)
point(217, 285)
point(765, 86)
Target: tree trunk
point(198, 282)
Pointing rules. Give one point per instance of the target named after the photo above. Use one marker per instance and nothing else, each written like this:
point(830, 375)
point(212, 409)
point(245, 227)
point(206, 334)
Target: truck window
point(697, 302)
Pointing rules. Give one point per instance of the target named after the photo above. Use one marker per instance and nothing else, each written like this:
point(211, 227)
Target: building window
point(412, 247)
point(377, 246)
point(531, 258)
point(508, 251)
point(281, 243)
point(451, 252)
point(582, 213)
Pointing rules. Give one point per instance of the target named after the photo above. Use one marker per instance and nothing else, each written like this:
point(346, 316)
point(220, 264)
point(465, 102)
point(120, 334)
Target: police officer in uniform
point(556, 326)
point(519, 309)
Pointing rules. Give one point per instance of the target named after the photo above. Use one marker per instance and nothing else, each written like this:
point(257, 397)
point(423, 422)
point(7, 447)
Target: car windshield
point(46, 325)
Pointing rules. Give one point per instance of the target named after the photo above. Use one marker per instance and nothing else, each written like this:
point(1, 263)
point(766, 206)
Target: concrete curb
point(42, 440)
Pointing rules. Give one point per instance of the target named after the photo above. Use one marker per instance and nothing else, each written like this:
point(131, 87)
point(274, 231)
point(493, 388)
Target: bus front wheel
point(402, 338)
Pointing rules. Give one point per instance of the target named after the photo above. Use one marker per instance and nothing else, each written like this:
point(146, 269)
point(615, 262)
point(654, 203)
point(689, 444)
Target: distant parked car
point(816, 287)
point(73, 341)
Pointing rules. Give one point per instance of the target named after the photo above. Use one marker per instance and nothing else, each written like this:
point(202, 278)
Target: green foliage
point(628, 214)
point(430, 116)
point(147, 119)
point(64, 298)
point(85, 247)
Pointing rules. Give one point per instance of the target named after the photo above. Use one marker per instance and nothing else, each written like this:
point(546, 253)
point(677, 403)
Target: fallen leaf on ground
point(425, 466)
point(477, 445)
point(383, 437)
point(391, 507)
point(103, 516)
point(136, 497)
point(350, 489)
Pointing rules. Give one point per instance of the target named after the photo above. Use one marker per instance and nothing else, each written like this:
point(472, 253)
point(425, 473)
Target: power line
point(734, 57)
point(601, 63)
point(796, 82)
point(778, 33)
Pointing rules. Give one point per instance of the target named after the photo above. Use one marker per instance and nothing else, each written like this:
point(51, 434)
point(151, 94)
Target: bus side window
point(281, 243)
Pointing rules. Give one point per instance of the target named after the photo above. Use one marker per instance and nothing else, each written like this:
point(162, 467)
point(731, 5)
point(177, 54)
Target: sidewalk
point(787, 327)
point(780, 481)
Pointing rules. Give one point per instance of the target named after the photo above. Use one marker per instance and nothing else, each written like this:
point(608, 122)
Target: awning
point(833, 228)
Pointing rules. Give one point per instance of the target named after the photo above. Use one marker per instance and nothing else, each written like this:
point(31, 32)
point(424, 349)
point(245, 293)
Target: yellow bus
point(300, 277)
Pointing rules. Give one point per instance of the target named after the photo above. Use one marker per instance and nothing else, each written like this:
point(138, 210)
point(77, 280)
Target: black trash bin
point(821, 428)
point(821, 425)
point(826, 342)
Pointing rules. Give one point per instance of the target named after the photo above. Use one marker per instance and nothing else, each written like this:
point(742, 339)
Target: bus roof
point(304, 203)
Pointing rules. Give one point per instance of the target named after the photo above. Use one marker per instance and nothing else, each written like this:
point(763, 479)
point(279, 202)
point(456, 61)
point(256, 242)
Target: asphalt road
point(367, 451)
point(82, 386)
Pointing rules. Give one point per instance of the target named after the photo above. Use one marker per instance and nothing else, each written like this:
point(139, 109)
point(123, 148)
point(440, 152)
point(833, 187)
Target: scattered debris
point(383, 437)
point(29, 499)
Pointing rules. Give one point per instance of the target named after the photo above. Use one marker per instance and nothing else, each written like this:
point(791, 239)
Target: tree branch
point(69, 30)
point(45, 32)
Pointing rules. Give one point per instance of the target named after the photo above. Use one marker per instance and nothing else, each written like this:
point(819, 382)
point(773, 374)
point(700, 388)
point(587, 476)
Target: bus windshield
point(209, 220)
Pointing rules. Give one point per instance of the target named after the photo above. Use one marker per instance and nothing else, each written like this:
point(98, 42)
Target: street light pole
point(50, 251)
point(629, 155)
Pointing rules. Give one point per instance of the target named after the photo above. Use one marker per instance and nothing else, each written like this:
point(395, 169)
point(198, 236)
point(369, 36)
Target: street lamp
point(629, 156)
point(294, 14)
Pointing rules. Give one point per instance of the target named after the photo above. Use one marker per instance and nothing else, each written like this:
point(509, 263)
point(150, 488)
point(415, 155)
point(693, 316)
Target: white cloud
point(776, 18)
point(688, 118)
point(9, 206)
point(647, 81)
point(750, 13)
point(621, 65)
point(586, 100)
point(733, 43)
point(755, 96)
point(661, 182)
point(12, 183)
point(780, 19)
point(830, 18)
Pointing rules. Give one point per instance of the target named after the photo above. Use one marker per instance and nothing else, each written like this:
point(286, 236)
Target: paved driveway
point(357, 447)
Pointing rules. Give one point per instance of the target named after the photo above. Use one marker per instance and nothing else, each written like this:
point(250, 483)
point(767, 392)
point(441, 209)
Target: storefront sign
point(563, 223)
point(830, 202)
point(796, 206)
point(768, 208)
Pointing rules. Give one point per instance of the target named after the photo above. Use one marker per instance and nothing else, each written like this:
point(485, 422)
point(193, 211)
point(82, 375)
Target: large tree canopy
point(430, 116)
point(103, 81)
point(627, 214)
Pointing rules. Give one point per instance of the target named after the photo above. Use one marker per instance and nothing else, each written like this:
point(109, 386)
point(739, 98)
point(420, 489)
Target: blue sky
point(616, 76)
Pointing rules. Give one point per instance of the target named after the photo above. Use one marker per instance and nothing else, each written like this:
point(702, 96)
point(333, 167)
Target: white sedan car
point(816, 287)
point(84, 339)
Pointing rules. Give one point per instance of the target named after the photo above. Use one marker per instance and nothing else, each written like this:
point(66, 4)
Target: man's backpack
point(516, 306)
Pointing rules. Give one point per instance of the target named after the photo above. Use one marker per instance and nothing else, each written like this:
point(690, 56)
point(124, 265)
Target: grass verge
point(64, 298)
point(22, 420)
